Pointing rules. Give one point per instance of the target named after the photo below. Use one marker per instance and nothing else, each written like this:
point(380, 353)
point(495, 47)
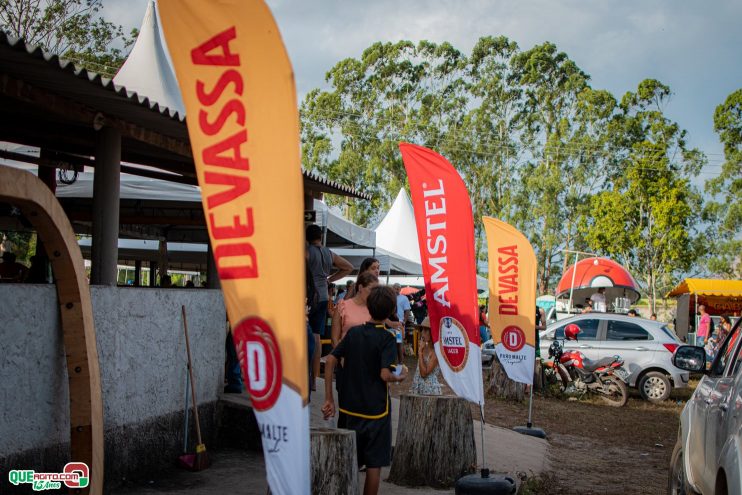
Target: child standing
point(363, 395)
point(426, 376)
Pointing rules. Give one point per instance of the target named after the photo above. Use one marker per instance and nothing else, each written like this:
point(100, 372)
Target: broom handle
point(190, 373)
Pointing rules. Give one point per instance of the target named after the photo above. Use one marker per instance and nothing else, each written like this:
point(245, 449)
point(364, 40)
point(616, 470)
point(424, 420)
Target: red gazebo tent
point(593, 273)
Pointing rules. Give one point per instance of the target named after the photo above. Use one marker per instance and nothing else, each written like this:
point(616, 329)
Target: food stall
point(583, 279)
point(721, 297)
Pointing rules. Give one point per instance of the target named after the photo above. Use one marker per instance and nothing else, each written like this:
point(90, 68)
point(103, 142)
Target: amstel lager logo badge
point(260, 361)
point(454, 342)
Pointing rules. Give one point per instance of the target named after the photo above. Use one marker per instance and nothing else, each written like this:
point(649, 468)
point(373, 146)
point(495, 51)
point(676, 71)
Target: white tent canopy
point(134, 187)
point(343, 232)
point(147, 69)
point(389, 262)
point(397, 233)
point(179, 254)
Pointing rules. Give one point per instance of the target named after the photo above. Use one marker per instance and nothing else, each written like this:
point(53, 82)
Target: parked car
point(707, 458)
point(646, 346)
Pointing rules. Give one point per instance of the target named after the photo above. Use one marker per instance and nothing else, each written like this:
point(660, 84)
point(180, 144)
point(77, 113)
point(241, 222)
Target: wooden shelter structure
point(78, 119)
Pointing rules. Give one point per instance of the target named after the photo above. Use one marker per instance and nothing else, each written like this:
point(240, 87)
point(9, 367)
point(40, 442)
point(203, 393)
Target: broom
point(199, 460)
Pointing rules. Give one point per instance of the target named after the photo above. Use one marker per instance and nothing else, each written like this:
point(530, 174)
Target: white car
point(707, 458)
point(646, 347)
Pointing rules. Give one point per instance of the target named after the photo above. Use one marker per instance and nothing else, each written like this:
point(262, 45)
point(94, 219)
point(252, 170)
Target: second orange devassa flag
point(238, 88)
point(512, 283)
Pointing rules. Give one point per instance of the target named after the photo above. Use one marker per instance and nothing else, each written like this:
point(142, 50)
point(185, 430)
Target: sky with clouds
point(692, 46)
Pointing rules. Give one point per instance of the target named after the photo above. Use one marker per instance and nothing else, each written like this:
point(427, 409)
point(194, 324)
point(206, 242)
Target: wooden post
point(502, 387)
point(435, 441)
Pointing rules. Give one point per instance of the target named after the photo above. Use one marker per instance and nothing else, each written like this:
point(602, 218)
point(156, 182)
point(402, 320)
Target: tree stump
point(502, 387)
point(334, 466)
point(538, 376)
point(435, 441)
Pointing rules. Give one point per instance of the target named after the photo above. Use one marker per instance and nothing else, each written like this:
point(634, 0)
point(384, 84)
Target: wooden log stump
point(435, 441)
point(333, 462)
point(502, 387)
point(538, 377)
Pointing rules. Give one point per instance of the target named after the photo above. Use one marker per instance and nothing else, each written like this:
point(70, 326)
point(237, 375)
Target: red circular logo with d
point(260, 361)
point(513, 338)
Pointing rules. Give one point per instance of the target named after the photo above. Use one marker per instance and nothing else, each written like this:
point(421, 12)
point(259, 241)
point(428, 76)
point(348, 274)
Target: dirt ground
point(595, 449)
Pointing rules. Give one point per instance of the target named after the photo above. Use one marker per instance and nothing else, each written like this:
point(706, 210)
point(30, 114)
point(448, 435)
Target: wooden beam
point(42, 209)
point(72, 110)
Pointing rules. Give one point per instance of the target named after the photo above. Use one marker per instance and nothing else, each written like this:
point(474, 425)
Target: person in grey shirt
point(324, 267)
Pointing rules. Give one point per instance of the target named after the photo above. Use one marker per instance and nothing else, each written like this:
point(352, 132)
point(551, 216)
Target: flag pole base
point(530, 431)
point(486, 483)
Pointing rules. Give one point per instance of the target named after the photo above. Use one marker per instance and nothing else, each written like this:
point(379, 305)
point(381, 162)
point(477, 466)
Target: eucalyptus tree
point(483, 148)
point(394, 92)
point(726, 208)
point(648, 215)
point(562, 129)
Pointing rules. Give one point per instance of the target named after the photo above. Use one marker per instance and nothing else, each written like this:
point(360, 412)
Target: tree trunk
point(334, 468)
point(502, 387)
point(435, 441)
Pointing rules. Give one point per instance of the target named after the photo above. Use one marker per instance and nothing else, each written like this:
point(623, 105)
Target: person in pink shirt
point(353, 312)
point(704, 327)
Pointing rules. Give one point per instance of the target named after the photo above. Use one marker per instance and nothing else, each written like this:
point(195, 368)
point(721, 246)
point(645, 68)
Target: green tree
point(482, 147)
point(562, 129)
point(647, 218)
point(725, 211)
point(395, 92)
point(73, 29)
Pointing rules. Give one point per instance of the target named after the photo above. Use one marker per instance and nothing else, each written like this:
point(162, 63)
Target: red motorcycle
point(605, 377)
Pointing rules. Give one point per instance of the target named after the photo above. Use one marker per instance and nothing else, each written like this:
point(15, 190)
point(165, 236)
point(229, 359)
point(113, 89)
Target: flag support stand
point(484, 482)
point(529, 429)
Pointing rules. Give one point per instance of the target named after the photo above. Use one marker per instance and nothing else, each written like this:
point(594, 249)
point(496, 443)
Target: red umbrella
point(406, 291)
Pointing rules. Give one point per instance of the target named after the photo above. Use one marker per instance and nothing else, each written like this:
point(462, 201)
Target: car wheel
point(655, 386)
point(677, 482)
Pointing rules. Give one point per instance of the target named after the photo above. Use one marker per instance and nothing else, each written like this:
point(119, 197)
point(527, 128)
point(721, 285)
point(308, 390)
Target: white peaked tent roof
point(147, 70)
point(397, 233)
point(397, 236)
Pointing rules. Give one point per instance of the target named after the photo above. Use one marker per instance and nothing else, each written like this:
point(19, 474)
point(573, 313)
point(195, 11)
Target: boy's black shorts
point(373, 440)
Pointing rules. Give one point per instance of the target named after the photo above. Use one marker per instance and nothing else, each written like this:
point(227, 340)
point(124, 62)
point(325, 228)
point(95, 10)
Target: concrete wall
point(142, 355)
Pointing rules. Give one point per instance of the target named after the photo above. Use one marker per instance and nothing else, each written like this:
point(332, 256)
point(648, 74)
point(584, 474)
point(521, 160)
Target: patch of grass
point(542, 484)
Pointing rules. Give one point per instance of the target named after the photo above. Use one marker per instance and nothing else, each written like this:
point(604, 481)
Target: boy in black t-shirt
point(370, 353)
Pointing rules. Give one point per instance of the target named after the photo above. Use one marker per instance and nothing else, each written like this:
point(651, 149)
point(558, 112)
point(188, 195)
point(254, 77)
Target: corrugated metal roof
point(69, 67)
point(347, 190)
point(56, 75)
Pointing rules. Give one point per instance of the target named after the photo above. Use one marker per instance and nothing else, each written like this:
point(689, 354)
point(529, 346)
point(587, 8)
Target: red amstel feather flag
point(445, 230)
